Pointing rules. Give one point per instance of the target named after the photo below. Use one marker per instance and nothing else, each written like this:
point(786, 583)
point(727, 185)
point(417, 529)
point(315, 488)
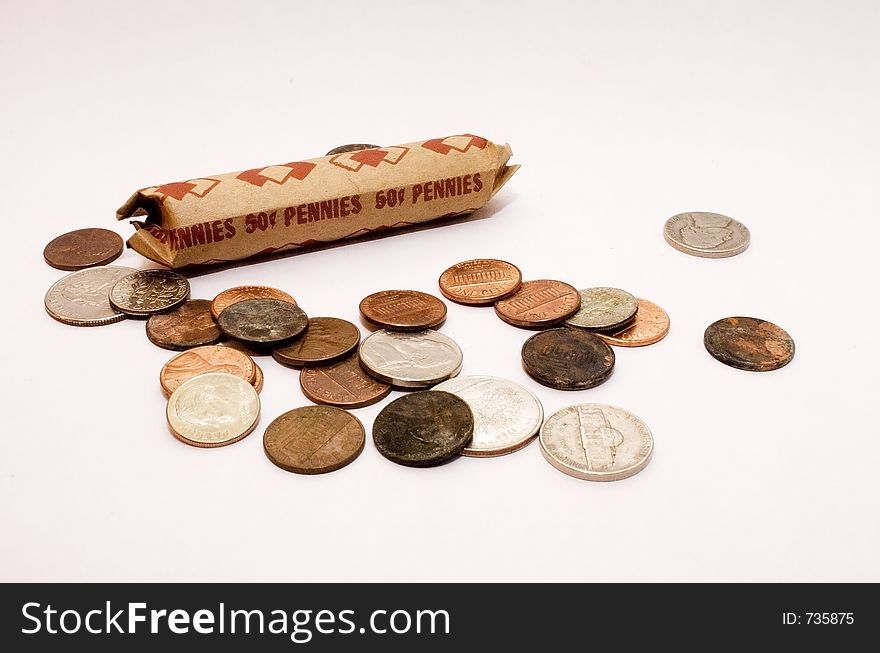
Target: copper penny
point(326, 340)
point(351, 147)
point(567, 359)
point(343, 384)
point(650, 325)
point(539, 304)
point(190, 325)
point(258, 378)
point(748, 343)
point(403, 310)
point(240, 293)
point(480, 282)
point(201, 360)
point(83, 248)
point(314, 439)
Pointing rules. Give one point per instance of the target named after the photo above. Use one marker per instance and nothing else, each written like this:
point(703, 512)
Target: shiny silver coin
point(147, 292)
point(604, 309)
point(82, 298)
point(506, 415)
point(596, 442)
point(710, 235)
point(417, 359)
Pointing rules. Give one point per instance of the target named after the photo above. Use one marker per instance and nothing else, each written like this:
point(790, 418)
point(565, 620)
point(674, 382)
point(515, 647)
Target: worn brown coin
point(263, 322)
point(201, 360)
point(327, 339)
point(83, 248)
point(258, 378)
point(539, 304)
point(567, 359)
point(146, 292)
point(748, 343)
point(189, 325)
point(351, 147)
point(480, 282)
point(423, 428)
point(403, 310)
point(314, 439)
point(343, 384)
point(650, 325)
point(240, 293)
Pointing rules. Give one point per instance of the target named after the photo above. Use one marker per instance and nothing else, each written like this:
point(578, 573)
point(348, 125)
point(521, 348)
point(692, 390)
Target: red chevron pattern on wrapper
point(180, 189)
point(354, 161)
point(277, 174)
point(461, 143)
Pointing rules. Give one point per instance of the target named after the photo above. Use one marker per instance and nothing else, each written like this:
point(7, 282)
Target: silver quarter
point(710, 235)
point(418, 359)
point(596, 442)
point(82, 298)
point(506, 415)
point(146, 292)
point(604, 309)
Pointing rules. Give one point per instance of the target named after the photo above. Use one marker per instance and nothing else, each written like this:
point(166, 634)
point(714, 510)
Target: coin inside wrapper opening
point(234, 216)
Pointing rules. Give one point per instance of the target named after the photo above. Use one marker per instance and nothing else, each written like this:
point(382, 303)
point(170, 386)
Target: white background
point(621, 114)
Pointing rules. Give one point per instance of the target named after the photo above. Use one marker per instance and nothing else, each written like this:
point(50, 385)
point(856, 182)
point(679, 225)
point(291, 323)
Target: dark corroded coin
point(240, 293)
point(263, 322)
point(314, 439)
point(146, 292)
point(327, 339)
point(83, 248)
point(539, 304)
point(189, 325)
point(748, 343)
point(567, 359)
point(351, 147)
point(344, 384)
point(403, 310)
point(480, 282)
point(423, 428)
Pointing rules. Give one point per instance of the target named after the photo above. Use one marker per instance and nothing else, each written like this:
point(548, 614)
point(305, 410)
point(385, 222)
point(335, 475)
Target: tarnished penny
point(604, 309)
point(240, 293)
point(202, 360)
point(351, 147)
point(213, 410)
point(403, 310)
point(314, 439)
point(710, 235)
point(423, 428)
point(650, 325)
point(480, 282)
point(410, 360)
point(146, 292)
point(539, 304)
point(506, 415)
point(83, 298)
point(327, 339)
point(567, 359)
point(83, 248)
point(258, 378)
point(189, 325)
point(343, 384)
point(748, 343)
point(263, 322)
point(596, 442)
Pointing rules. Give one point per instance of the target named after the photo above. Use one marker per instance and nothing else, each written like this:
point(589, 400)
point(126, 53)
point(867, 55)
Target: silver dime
point(604, 309)
point(596, 442)
point(146, 292)
point(506, 415)
point(710, 235)
point(417, 359)
point(82, 298)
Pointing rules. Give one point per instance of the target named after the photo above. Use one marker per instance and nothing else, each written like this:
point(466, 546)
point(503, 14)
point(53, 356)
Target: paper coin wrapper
point(237, 215)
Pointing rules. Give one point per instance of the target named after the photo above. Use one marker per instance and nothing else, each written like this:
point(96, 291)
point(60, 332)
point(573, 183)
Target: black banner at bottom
point(318, 617)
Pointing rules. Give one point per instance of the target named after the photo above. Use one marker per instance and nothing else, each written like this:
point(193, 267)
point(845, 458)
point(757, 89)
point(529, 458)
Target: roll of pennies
point(240, 293)
point(202, 360)
point(314, 439)
point(539, 304)
point(567, 359)
point(83, 248)
point(263, 322)
point(423, 428)
point(480, 282)
point(344, 384)
point(189, 325)
point(326, 340)
point(403, 310)
point(748, 343)
point(146, 292)
point(604, 309)
point(410, 360)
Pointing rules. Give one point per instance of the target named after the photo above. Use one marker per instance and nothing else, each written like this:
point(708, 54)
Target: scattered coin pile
point(213, 383)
